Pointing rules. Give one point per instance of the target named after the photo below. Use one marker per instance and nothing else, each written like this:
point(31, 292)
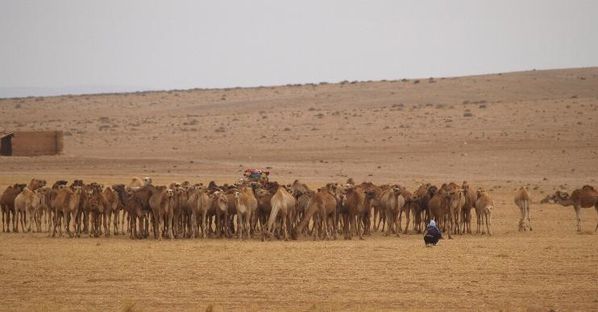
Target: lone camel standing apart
point(522, 200)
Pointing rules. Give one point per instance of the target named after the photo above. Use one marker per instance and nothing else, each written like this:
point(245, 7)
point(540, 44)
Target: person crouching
point(432, 234)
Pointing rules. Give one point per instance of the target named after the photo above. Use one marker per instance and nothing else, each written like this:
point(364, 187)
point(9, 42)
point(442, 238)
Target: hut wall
point(34, 143)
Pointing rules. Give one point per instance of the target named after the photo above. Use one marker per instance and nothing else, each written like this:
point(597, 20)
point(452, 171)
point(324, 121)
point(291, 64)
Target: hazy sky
point(58, 46)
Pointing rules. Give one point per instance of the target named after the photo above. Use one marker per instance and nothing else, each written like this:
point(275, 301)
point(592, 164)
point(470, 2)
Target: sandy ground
point(498, 131)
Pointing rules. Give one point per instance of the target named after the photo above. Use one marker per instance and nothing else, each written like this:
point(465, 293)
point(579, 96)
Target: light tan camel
point(483, 207)
point(522, 200)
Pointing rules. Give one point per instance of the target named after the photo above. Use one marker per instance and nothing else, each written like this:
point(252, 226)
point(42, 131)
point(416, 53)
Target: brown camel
point(161, 203)
point(376, 210)
point(137, 207)
point(66, 204)
point(421, 210)
point(439, 206)
point(93, 204)
point(585, 197)
point(470, 198)
point(522, 200)
point(7, 203)
point(112, 208)
point(264, 207)
point(354, 211)
point(322, 207)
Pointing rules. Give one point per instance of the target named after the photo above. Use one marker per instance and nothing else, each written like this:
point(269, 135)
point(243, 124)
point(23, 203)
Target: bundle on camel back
point(256, 175)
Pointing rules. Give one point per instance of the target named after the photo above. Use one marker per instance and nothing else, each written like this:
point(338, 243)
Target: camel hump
point(588, 188)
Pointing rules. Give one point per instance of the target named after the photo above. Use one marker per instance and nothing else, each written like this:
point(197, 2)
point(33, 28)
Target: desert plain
point(497, 131)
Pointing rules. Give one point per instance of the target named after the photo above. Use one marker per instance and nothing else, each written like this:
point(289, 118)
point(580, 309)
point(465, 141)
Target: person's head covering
point(432, 223)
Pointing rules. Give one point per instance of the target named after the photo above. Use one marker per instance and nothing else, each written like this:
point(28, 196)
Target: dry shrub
point(130, 306)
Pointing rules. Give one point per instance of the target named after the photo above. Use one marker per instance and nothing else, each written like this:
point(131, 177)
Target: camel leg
point(360, 227)
point(578, 217)
point(489, 221)
point(115, 222)
point(376, 219)
point(31, 220)
point(388, 221)
point(527, 212)
point(171, 224)
point(240, 228)
point(325, 225)
point(400, 225)
point(122, 222)
point(107, 226)
point(596, 207)
point(407, 218)
point(521, 206)
point(285, 224)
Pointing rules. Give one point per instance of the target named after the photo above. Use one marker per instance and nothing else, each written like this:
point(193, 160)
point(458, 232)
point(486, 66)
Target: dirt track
point(533, 128)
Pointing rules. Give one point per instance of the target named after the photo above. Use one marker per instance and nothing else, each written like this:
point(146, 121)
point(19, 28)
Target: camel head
point(561, 195)
point(77, 189)
point(369, 194)
point(221, 200)
point(547, 199)
point(432, 190)
point(147, 181)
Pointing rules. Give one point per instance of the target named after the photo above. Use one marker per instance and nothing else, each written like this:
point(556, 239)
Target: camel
point(24, 208)
point(470, 198)
point(66, 204)
point(439, 206)
point(135, 183)
point(220, 205)
point(283, 204)
point(246, 205)
point(94, 205)
point(585, 197)
point(372, 202)
point(161, 203)
point(41, 208)
point(49, 203)
point(7, 203)
point(182, 212)
point(136, 204)
point(201, 203)
point(29, 208)
point(322, 207)
point(23, 205)
point(112, 208)
point(120, 190)
point(354, 211)
point(421, 210)
point(456, 204)
point(35, 184)
point(522, 200)
point(232, 208)
point(391, 202)
point(409, 205)
point(264, 207)
point(483, 207)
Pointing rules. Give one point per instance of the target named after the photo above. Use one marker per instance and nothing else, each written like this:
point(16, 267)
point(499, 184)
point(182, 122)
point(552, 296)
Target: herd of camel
point(250, 209)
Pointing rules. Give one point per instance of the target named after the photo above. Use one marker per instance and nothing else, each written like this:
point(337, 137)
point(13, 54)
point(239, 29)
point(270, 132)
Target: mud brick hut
point(31, 143)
